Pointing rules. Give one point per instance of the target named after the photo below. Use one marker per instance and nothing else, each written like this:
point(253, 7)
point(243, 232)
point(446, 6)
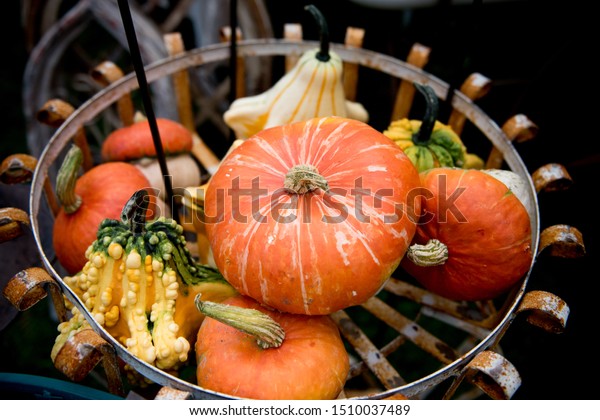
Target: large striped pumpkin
point(314, 216)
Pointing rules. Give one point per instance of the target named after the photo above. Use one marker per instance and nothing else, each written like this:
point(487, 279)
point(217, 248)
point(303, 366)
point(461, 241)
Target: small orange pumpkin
point(135, 141)
point(134, 144)
point(98, 194)
point(310, 362)
point(474, 239)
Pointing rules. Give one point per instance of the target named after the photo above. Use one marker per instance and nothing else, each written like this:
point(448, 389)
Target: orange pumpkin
point(135, 144)
point(135, 141)
point(474, 239)
point(310, 362)
point(312, 217)
point(86, 201)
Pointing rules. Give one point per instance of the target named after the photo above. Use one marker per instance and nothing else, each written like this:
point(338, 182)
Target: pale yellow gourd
point(312, 88)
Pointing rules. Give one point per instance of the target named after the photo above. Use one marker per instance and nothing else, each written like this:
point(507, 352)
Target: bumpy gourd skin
point(444, 149)
point(429, 143)
point(140, 283)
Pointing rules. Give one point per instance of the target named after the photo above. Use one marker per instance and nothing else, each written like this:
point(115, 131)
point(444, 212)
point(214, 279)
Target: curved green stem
point(323, 54)
point(423, 136)
point(268, 333)
point(67, 179)
point(431, 254)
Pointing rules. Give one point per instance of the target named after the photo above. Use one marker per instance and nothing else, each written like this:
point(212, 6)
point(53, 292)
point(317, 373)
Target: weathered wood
point(354, 38)
point(54, 113)
point(518, 128)
point(418, 57)
point(475, 87)
point(106, 73)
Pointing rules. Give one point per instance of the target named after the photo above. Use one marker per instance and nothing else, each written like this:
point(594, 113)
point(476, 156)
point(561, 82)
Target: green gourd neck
point(268, 333)
point(66, 180)
point(423, 136)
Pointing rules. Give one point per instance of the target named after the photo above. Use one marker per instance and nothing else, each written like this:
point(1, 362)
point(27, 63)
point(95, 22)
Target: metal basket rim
point(272, 47)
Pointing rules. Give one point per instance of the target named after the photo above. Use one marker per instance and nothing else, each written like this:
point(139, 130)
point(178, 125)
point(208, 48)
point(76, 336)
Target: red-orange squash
point(86, 201)
point(474, 239)
point(312, 217)
point(310, 363)
point(135, 141)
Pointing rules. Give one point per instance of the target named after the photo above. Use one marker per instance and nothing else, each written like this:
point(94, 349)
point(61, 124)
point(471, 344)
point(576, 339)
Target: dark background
point(539, 55)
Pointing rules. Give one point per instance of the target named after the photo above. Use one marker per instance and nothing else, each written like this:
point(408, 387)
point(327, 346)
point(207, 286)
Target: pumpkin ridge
point(353, 138)
point(299, 240)
point(313, 258)
point(273, 152)
point(286, 145)
point(332, 139)
point(250, 230)
point(360, 236)
point(253, 163)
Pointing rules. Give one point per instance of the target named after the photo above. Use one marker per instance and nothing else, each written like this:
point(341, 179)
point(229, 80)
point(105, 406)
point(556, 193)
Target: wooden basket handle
point(13, 222)
point(30, 286)
point(545, 310)
point(54, 113)
point(80, 355)
point(418, 57)
point(354, 38)
point(562, 241)
point(19, 169)
point(181, 81)
point(518, 128)
point(106, 73)
point(292, 32)
point(475, 87)
point(491, 373)
point(551, 177)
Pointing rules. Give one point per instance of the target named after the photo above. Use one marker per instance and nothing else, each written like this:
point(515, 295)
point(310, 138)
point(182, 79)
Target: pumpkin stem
point(268, 333)
point(67, 179)
point(423, 136)
point(304, 178)
point(431, 254)
point(323, 54)
point(134, 212)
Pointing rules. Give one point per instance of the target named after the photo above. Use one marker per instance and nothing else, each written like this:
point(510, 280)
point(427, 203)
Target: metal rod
point(138, 65)
point(233, 67)
point(233, 50)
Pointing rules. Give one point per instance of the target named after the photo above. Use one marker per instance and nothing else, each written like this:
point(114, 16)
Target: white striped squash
point(313, 88)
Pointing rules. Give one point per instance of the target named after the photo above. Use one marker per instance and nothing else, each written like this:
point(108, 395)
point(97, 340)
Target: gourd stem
point(268, 332)
point(67, 179)
point(134, 212)
point(423, 136)
point(304, 178)
point(323, 54)
point(431, 254)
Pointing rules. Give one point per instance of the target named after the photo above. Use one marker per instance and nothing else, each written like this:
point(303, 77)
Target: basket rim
point(273, 47)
